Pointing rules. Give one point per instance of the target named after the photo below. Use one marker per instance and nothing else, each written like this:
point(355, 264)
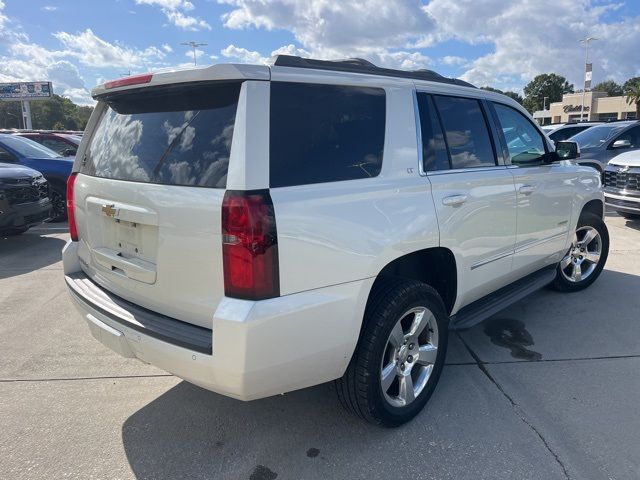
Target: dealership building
point(597, 107)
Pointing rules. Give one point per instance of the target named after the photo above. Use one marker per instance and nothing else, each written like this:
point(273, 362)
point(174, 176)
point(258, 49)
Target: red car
point(64, 144)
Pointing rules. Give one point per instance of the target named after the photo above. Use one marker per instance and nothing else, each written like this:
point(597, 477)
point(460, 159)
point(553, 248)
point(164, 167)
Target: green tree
point(631, 89)
point(612, 88)
point(545, 85)
point(46, 114)
point(508, 93)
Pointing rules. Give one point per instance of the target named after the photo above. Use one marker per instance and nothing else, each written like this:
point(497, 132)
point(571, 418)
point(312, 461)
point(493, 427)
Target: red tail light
point(71, 213)
point(249, 245)
point(133, 80)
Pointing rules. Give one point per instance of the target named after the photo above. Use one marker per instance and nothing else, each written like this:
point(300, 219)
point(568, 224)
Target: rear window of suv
point(325, 133)
point(177, 135)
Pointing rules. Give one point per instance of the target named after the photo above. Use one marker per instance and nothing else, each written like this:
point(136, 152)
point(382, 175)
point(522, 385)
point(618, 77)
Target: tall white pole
point(586, 41)
point(26, 115)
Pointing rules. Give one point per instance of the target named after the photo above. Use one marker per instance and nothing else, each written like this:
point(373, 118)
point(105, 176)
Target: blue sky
point(77, 44)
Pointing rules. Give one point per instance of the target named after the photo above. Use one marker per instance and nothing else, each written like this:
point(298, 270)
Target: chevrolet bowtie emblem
point(623, 169)
point(109, 210)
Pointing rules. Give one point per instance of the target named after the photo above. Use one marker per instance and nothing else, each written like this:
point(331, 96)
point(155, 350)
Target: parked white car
point(261, 229)
point(622, 184)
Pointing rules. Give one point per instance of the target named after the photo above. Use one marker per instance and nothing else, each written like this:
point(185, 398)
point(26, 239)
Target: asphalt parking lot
point(547, 389)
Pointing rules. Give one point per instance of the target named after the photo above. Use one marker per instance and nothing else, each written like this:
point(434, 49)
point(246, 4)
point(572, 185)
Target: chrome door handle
point(527, 189)
point(454, 200)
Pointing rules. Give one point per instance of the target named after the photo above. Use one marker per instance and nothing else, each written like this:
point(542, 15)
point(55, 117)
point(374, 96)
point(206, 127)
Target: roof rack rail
point(359, 65)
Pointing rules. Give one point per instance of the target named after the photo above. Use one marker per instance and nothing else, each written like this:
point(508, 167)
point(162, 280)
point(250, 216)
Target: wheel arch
point(435, 266)
point(595, 207)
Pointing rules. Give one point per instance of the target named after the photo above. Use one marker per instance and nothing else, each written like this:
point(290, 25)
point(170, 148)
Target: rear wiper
point(156, 170)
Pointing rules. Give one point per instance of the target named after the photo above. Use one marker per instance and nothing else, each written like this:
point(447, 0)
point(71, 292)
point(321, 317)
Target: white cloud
point(174, 11)
point(537, 36)
point(166, 48)
point(242, 54)
point(187, 22)
point(526, 37)
point(49, 8)
point(453, 60)
point(168, 4)
point(29, 61)
point(291, 49)
point(333, 29)
point(199, 53)
point(93, 51)
point(64, 76)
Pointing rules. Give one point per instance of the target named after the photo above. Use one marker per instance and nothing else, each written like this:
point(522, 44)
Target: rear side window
point(434, 148)
point(325, 133)
point(178, 135)
point(565, 133)
point(466, 132)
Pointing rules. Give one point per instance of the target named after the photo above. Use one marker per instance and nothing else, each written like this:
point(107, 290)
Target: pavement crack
point(546, 360)
point(62, 379)
point(516, 408)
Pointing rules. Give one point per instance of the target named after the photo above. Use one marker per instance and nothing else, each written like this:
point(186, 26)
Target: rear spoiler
point(226, 71)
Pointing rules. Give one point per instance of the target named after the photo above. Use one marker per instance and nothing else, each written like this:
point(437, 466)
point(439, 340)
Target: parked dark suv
point(55, 168)
point(601, 143)
point(24, 198)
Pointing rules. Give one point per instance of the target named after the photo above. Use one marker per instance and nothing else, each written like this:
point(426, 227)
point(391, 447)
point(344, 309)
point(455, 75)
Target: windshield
point(597, 136)
point(174, 136)
point(27, 148)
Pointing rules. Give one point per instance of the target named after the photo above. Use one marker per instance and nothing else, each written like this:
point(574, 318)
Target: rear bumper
point(256, 349)
point(23, 215)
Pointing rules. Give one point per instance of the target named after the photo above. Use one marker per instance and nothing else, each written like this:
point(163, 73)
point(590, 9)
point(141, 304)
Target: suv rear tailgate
point(148, 197)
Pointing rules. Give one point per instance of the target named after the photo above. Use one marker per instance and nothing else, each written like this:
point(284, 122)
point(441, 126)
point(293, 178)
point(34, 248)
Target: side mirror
point(621, 144)
point(69, 152)
point(567, 150)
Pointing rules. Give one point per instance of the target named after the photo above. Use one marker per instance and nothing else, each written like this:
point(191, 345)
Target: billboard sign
point(25, 90)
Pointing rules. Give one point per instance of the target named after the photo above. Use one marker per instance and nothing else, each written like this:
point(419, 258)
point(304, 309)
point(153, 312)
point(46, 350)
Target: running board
point(485, 307)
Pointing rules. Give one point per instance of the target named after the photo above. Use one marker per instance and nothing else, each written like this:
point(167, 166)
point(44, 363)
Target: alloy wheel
point(409, 356)
point(582, 258)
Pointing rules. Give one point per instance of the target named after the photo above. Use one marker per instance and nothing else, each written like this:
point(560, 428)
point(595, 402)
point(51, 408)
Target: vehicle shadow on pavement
point(28, 252)
point(635, 224)
point(189, 432)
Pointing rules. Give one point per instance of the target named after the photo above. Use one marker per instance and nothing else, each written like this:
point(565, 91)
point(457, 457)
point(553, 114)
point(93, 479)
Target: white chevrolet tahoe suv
point(260, 229)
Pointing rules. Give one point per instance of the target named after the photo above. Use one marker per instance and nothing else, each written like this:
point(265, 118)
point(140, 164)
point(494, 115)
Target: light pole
point(586, 41)
point(544, 103)
point(193, 45)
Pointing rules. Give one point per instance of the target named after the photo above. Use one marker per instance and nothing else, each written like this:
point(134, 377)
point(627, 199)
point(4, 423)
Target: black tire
point(58, 196)
point(360, 389)
point(564, 284)
point(628, 216)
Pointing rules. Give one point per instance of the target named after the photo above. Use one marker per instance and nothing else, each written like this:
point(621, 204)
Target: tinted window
point(27, 148)
point(633, 135)
point(524, 142)
point(174, 135)
point(466, 132)
point(564, 133)
point(56, 145)
point(597, 136)
point(5, 156)
point(434, 149)
point(325, 133)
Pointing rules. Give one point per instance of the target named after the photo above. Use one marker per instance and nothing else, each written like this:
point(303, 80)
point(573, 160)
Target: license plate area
point(123, 239)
